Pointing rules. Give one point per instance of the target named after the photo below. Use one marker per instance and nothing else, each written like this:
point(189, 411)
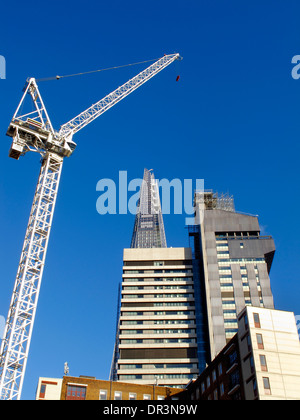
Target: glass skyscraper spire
point(149, 231)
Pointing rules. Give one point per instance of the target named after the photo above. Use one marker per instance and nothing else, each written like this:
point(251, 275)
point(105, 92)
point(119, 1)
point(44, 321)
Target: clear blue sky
point(233, 119)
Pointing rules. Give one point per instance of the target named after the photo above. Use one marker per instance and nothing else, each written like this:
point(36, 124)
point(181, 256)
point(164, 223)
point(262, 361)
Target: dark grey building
point(233, 265)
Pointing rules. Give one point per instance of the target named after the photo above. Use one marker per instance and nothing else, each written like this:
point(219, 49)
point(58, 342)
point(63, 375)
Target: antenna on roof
point(66, 369)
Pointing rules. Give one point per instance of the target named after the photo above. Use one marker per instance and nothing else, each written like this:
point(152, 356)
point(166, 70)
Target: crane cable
point(93, 71)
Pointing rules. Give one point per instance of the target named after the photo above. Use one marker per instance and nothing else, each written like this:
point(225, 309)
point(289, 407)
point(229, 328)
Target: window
point(214, 375)
point(147, 397)
point(256, 320)
point(75, 392)
point(260, 342)
point(255, 390)
point(203, 387)
point(118, 395)
point(160, 397)
point(249, 342)
point(232, 358)
point(103, 394)
point(246, 323)
point(263, 362)
point(252, 367)
point(132, 396)
point(221, 389)
point(208, 381)
point(42, 391)
point(267, 387)
point(234, 379)
point(220, 369)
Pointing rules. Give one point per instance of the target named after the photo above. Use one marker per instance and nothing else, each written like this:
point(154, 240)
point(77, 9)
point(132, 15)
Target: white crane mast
point(34, 132)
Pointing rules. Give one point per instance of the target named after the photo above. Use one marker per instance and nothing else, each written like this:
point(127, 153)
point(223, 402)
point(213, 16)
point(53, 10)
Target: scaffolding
point(211, 200)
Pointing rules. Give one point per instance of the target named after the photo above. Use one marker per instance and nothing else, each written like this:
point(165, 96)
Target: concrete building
point(234, 261)
point(157, 330)
point(269, 346)
point(261, 362)
point(48, 389)
point(90, 388)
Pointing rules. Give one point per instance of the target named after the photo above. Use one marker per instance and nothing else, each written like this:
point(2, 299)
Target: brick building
point(90, 388)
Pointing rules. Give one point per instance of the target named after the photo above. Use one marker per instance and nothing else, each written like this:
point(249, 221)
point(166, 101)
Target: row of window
point(160, 366)
point(141, 304)
point(159, 341)
point(227, 278)
point(157, 313)
point(160, 322)
point(170, 296)
point(158, 376)
point(158, 263)
point(225, 261)
point(156, 279)
point(172, 287)
point(177, 331)
point(187, 270)
point(132, 396)
point(222, 236)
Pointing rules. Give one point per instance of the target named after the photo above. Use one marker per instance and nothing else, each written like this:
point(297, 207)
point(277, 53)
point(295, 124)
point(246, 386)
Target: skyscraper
point(149, 231)
point(234, 262)
point(156, 338)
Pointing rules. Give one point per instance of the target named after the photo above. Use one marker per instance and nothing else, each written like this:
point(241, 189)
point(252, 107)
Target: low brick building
point(90, 388)
point(221, 380)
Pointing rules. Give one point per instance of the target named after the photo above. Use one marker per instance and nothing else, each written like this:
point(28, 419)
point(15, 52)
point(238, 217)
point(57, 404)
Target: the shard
point(149, 231)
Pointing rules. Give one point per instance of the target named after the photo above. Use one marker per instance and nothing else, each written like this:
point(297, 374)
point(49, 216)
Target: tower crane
point(34, 132)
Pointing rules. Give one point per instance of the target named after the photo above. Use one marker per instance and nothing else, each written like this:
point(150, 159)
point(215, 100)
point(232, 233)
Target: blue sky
point(233, 119)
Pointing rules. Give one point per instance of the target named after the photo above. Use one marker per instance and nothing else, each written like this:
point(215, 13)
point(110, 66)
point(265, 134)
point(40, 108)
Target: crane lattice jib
point(117, 95)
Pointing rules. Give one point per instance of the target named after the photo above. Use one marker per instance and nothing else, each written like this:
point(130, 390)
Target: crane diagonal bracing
point(23, 306)
point(116, 96)
point(34, 132)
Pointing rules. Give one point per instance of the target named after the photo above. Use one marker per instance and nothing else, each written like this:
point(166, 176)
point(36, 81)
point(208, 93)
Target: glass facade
point(149, 231)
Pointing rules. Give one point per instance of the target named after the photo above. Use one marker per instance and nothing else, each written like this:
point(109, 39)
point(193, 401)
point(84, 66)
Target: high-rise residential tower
point(157, 327)
point(233, 260)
